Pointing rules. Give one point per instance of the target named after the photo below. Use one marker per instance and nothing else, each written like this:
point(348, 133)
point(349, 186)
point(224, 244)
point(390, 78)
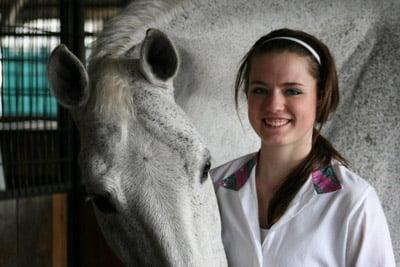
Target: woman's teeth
point(276, 123)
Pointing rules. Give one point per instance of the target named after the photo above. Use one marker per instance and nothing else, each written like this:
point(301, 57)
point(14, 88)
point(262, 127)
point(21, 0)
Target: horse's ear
point(68, 78)
point(159, 61)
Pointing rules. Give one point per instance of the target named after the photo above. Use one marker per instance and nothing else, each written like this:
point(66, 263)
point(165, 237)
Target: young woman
point(294, 202)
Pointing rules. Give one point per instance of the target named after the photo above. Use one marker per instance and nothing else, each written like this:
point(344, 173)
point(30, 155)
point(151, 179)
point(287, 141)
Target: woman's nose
point(275, 102)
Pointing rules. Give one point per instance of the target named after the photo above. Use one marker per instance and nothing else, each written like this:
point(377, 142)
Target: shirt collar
point(323, 178)
point(239, 177)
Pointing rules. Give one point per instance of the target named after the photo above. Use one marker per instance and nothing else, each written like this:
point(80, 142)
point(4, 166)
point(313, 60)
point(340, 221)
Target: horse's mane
point(109, 95)
point(128, 29)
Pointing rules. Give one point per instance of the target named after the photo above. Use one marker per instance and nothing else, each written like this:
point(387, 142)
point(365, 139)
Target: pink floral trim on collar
point(323, 178)
point(238, 178)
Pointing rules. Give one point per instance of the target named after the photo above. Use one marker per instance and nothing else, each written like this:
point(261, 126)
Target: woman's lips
point(276, 123)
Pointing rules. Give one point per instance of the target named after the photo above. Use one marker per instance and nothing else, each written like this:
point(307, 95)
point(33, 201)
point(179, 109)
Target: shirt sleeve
point(369, 242)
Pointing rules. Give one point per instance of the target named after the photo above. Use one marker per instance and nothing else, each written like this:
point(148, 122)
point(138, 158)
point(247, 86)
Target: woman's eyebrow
point(292, 84)
point(282, 84)
point(258, 83)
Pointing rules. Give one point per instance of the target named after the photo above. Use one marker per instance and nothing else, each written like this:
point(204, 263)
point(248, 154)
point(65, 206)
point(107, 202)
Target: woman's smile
point(275, 122)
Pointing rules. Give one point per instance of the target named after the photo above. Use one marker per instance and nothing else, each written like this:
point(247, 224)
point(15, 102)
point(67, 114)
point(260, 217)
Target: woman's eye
point(258, 90)
point(293, 91)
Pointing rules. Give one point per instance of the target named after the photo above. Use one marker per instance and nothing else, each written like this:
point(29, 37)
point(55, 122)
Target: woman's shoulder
point(366, 222)
point(354, 188)
point(228, 168)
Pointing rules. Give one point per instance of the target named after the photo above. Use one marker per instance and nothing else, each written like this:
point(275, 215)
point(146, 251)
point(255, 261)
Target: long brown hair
point(322, 151)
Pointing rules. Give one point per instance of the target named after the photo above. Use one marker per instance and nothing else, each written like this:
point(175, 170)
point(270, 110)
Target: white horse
point(142, 160)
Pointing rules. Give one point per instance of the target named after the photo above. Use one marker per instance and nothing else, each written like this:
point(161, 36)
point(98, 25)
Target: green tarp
point(25, 92)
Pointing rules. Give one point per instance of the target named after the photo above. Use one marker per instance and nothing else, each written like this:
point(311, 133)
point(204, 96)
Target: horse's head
point(143, 164)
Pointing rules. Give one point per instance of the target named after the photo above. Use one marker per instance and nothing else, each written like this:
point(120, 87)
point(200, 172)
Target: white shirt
point(334, 220)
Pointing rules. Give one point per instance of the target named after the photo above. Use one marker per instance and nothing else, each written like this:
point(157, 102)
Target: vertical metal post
point(72, 35)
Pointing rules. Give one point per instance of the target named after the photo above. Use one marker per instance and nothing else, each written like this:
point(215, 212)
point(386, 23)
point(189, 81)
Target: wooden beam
point(59, 230)
point(9, 233)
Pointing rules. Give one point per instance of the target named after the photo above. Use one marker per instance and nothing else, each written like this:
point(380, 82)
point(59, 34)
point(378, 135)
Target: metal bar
point(37, 161)
point(31, 34)
point(18, 59)
point(72, 35)
point(19, 88)
point(11, 17)
point(37, 190)
point(31, 166)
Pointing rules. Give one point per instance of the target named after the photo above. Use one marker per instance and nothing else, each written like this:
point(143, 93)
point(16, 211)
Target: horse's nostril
point(207, 166)
point(206, 169)
point(103, 203)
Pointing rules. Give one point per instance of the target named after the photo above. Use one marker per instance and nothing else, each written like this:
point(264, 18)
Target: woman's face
point(282, 99)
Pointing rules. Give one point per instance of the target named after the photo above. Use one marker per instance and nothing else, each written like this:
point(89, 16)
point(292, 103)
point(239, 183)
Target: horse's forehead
point(96, 130)
point(109, 64)
point(106, 128)
point(112, 81)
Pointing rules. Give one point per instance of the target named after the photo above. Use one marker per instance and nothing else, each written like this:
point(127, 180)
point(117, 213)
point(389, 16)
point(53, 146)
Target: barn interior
point(44, 218)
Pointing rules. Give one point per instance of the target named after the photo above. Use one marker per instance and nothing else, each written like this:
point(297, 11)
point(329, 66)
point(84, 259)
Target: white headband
point(300, 42)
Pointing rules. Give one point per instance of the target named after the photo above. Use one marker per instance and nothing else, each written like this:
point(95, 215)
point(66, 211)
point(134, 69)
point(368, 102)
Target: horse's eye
point(206, 169)
point(103, 203)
